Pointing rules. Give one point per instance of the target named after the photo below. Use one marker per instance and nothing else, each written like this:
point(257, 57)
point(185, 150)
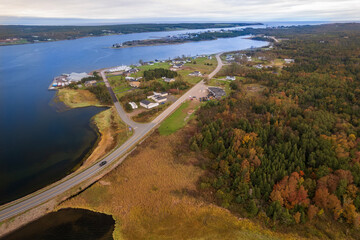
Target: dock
point(51, 87)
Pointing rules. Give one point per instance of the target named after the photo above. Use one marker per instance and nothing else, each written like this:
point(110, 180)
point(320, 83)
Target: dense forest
point(102, 93)
point(291, 154)
point(43, 33)
point(152, 74)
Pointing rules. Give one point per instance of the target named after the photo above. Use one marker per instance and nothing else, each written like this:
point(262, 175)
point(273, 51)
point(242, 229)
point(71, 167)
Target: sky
point(178, 10)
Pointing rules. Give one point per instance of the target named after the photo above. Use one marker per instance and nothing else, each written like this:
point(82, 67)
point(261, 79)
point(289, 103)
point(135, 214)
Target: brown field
point(253, 89)
point(77, 98)
point(278, 63)
point(153, 195)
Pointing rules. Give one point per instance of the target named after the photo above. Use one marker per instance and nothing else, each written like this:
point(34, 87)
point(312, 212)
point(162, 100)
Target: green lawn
point(175, 121)
point(189, 67)
point(156, 65)
point(119, 85)
point(201, 65)
point(187, 78)
point(221, 83)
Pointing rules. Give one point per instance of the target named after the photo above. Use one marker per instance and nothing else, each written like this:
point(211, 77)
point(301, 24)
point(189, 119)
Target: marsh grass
point(149, 196)
point(77, 98)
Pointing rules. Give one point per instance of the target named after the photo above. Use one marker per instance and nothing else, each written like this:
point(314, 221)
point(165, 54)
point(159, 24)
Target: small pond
point(67, 224)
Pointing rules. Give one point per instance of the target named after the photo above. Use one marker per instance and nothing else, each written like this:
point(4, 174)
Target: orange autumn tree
point(290, 192)
point(325, 194)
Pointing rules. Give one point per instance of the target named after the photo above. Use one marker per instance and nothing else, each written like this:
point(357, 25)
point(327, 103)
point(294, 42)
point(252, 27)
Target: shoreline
point(162, 44)
point(98, 149)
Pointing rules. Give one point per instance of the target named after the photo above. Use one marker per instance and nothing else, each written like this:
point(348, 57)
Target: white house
point(162, 94)
point(195, 74)
point(90, 83)
point(169, 80)
point(159, 99)
point(147, 104)
point(231, 78)
point(230, 58)
point(178, 65)
point(133, 105)
point(288, 60)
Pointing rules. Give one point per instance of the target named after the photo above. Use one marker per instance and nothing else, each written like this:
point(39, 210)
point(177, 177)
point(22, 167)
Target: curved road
point(140, 131)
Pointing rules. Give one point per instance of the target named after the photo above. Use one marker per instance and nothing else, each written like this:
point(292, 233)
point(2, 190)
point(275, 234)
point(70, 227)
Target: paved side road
point(141, 130)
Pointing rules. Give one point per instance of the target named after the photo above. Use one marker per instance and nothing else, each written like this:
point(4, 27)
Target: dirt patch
point(254, 89)
point(104, 183)
point(136, 112)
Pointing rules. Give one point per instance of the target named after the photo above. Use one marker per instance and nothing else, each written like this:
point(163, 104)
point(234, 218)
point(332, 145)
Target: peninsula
point(191, 37)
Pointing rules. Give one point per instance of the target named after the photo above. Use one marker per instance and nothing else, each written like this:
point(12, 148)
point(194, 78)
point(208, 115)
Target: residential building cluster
point(66, 79)
point(157, 99)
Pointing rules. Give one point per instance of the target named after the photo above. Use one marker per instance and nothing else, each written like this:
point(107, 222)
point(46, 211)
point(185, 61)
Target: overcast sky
point(216, 10)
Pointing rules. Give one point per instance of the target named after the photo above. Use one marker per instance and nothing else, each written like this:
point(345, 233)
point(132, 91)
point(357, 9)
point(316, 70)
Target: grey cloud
point(255, 10)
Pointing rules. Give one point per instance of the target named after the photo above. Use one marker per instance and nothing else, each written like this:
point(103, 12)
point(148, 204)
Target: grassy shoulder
point(154, 195)
point(77, 98)
point(150, 114)
point(178, 119)
point(220, 82)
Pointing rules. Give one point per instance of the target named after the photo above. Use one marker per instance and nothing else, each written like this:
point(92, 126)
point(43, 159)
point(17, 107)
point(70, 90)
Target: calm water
point(39, 145)
point(68, 223)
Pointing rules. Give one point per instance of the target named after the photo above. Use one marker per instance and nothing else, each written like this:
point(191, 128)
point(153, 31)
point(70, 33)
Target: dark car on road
point(102, 163)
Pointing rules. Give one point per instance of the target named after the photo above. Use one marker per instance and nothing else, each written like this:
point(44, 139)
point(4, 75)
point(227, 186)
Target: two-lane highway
point(140, 131)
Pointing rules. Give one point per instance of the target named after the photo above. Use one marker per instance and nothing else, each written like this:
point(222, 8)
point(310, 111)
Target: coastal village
point(140, 94)
point(160, 91)
point(129, 80)
point(66, 79)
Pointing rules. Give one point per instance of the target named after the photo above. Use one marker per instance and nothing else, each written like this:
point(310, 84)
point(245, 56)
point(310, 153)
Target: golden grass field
point(153, 195)
point(77, 98)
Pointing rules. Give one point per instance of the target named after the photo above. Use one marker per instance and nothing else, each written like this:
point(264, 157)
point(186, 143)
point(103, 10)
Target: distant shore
point(19, 34)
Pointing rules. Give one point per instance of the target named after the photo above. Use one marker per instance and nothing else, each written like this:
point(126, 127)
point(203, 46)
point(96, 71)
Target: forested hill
point(290, 155)
point(43, 33)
